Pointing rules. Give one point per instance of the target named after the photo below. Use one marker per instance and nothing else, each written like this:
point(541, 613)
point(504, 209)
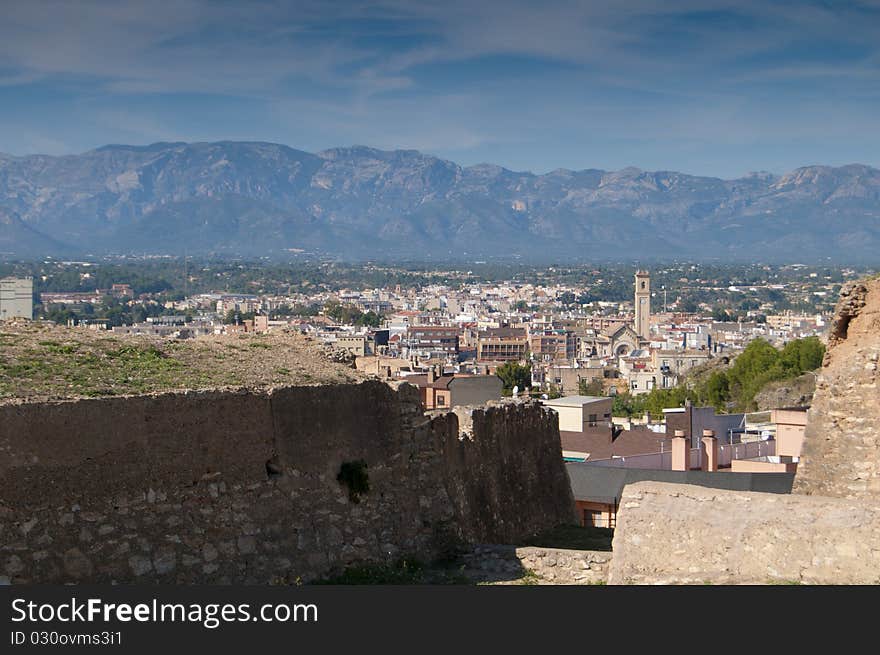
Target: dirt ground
point(41, 361)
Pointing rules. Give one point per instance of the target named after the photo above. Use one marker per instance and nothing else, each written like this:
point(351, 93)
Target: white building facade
point(16, 298)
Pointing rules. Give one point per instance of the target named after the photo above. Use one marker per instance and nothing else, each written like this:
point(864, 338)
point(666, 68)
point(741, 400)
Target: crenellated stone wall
point(241, 487)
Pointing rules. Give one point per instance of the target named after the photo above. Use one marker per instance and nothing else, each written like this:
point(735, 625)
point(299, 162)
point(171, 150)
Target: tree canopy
point(514, 374)
point(733, 389)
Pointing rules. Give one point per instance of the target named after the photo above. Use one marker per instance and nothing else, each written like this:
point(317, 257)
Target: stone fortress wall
point(241, 487)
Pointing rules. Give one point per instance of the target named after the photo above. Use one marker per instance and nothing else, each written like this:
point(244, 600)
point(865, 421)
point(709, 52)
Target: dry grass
point(45, 362)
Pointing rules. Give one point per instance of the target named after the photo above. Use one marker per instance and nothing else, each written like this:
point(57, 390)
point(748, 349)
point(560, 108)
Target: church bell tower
point(643, 305)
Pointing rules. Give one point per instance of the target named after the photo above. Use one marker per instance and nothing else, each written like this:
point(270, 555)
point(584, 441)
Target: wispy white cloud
point(607, 77)
point(200, 46)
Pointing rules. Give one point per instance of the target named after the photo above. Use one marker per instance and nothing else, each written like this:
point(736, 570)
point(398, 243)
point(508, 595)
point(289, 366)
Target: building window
point(441, 401)
point(591, 419)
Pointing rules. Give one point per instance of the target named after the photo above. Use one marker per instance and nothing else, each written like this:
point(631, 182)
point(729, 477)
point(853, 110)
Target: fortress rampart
point(242, 487)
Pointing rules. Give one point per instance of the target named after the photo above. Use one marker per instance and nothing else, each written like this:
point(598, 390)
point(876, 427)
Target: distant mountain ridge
point(252, 198)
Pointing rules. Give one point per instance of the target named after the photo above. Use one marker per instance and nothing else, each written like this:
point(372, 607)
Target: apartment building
point(502, 345)
point(553, 345)
point(433, 340)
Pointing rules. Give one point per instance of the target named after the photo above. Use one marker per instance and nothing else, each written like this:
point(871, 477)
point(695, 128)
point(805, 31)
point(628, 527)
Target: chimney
point(432, 375)
point(710, 451)
point(680, 452)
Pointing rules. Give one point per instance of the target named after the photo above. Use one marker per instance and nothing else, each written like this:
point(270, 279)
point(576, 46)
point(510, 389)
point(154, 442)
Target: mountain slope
point(261, 198)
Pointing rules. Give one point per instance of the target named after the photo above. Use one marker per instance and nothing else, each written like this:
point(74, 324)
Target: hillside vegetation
point(732, 388)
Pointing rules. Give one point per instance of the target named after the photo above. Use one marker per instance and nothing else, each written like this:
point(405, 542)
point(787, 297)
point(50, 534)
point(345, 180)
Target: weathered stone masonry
point(241, 487)
point(841, 453)
point(685, 534)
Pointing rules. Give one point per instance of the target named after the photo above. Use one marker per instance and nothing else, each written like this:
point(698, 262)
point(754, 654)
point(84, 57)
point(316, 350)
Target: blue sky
point(704, 87)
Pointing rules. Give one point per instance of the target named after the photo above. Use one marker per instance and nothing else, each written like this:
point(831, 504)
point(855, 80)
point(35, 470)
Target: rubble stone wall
point(841, 452)
point(241, 487)
point(537, 565)
point(685, 534)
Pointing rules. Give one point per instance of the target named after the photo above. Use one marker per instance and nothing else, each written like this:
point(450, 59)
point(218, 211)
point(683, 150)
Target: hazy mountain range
point(264, 199)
